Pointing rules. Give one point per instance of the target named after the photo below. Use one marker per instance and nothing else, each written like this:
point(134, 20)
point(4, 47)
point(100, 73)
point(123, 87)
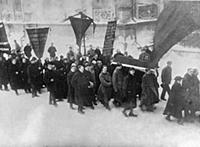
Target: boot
point(168, 118)
point(80, 110)
point(6, 88)
point(180, 121)
point(107, 107)
point(55, 104)
point(16, 92)
point(131, 114)
point(71, 106)
point(95, 102)
point(124, 112)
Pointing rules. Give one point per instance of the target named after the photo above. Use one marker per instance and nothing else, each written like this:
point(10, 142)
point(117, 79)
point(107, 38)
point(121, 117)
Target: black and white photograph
point(99, 73)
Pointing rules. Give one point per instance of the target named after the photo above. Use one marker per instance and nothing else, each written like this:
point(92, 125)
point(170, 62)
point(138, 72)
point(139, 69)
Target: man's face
point(104, 69)
point(119, 67)
point(14, 61)
point(24, 60)
point(73, 69)
point(81, 69)
point(190, 71)
point(132, 72)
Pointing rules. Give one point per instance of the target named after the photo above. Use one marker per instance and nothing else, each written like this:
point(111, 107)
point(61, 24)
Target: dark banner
point(80, 25)
point(38, 38)
point(109, 38)
point(4, 44)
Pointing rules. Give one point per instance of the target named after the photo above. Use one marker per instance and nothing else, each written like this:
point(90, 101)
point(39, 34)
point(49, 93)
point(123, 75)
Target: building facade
point(136, 20)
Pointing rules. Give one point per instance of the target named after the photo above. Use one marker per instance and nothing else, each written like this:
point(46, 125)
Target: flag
point(4, 44)
point(109, 38)
point(80, 26)
point(38, 38)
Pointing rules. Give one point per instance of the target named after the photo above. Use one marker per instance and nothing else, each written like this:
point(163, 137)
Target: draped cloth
point(176, 21)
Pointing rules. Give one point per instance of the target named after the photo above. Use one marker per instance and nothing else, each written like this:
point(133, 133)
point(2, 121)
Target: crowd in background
point(87, 80)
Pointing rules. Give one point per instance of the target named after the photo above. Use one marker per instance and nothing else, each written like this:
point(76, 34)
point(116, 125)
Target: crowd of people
point(86, 80)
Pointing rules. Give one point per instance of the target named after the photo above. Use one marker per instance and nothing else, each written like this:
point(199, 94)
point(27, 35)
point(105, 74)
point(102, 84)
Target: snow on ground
point(25, 121)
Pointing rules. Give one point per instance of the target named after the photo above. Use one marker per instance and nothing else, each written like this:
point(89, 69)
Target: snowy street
point(25, 121)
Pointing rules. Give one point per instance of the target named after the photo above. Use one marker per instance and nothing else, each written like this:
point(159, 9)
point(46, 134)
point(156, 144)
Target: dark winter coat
point(34, 75)
point(105, 88)
point(24, 73)
point(149, 90)
point(4, 77)
point(15, 78)
point(175, 102)
point(188, 86)
point(195, 94)
point(166, 75)
point(191, 92)
point(50, 79)
point(61, 84)
point(117, 80)
point(129, 89)
point(97, 70)
point(80, 83)
point(71, 92)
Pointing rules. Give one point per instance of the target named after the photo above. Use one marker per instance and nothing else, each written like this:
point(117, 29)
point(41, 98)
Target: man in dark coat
point(15, 78)
point(90, 52)
point(50, 78)
point(105, 88)
point(60, 84)
point(117, 82)
point(196, 92)
point(24, 74)
point(166, 77)
point(149, 91)
point(4, 79)
point(34, 76)
point(70, 54)
point(81, 85)
point(88, 74)
point(189, 86)
point(71, 92)
point(144, 56)
point(97, 68)
point(175, 104)
point(52, 51)
point(129, 92)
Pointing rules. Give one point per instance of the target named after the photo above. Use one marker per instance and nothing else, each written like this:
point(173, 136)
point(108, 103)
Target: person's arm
point(104, 82)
